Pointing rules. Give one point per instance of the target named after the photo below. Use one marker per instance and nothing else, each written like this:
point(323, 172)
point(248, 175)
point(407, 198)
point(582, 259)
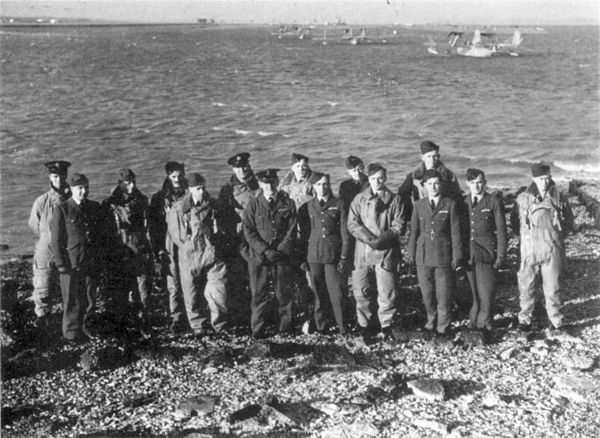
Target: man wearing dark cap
point(376, 222)
point(412, 189)
point(295, 182)
point(129, 255)
point(76, 235)
point(357, 182)
point(435, 247)
point(194, 225)
point(543, 218)
point(234, 197)
point(324, 237)
point(486, 247)
point(44, 271)
point(270, 229)
point(165, 250)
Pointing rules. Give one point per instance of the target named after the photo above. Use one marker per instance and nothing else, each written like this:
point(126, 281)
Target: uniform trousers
point(43, 279)
point(259, 273)
point(550, 272)
point(205, 294)
point(79, 302)
point(481, 277)
point(172, 282)
point(328, 293)
point(374, 290)
point(436, 288)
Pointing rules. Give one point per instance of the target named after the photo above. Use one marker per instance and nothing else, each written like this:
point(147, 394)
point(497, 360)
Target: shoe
point(522, 327)
point(77, 340)
point(41, 322)
point(554, 332)
point(259, 335)
point(177, 328)
point(387, 334)
point(89, 332)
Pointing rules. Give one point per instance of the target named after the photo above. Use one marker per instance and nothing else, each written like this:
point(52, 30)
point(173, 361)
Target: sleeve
point(288, 241)
point(250, 232)
point(500, 219)
point(156, 224)
point(455, 230)
point(57, 236)
point(405, 192)
point(414, 234)
point(304, 227)
point(34, 217)
point(346, 247)
point(567, 216)
point(355, 225)
point(515, 221)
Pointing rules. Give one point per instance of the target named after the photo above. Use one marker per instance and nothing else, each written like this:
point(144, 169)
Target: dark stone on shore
point(245, 413)
point(324, 355)
point(258, 349)
point(199, 405)
point(137, 400)
point(473, 338)
point(105, 358)
point(301, 414)
point(4, 247)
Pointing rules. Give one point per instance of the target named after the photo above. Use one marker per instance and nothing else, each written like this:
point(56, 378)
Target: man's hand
point(273, 255)
point(499, 263)
point(343, 267)
point(384, 241)
point(62, 270)
point(456, 265)
point(304, 266)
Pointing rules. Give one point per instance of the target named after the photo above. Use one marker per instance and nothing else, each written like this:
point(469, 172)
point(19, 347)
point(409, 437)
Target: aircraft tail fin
point(430, 41)
point(516, 39)
point(476, 40)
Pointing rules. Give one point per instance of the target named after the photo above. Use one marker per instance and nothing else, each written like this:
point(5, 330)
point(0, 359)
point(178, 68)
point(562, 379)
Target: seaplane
point(295, 32)
point(348, 37)
point(480, 45)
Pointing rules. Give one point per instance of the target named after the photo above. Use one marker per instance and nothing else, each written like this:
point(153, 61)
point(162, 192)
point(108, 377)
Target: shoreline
point(154, 383)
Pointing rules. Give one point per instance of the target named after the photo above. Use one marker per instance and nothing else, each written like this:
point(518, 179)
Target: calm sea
point(109, 97)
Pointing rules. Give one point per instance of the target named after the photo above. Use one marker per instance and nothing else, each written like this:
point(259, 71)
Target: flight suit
point(324, 233)
point(165, 250)
point(194, 228)
point(270, 228)
point(299, 191)
point(370, 216)
point(486, 246)
point(44, 270)
point(434, 243)
point(543, 224)
point(130, 254)
point(76, 241)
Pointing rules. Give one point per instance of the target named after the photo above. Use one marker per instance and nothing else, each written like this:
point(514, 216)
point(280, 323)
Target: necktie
point(271, 203)
point(322, 202)
point(475, 201)
point(432, 205)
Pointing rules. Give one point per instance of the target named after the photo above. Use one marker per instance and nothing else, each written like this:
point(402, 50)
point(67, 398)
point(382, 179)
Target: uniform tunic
point(77, 247)
point(434, 243)
point(371, 215)
point(270, 227)
point(543, 225)
point(486, 245)
point(324, 232)
point(300, 191)
point(43, 260)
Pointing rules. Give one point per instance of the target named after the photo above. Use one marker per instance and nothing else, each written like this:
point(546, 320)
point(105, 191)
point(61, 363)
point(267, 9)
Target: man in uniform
point(165, 250)
point(324, 234)
point(44, 271)
point(543, 217)
point(234, 197)
point(129, 256)
point(194, 227)
point(357, 182)
point(412, 189)
point(296, 181)
point(76, 235)
point(435, 247)
point(270, 229)
point(486, 247)
point(376, 222)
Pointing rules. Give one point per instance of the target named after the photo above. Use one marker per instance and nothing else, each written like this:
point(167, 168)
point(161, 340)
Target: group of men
point(263, 229)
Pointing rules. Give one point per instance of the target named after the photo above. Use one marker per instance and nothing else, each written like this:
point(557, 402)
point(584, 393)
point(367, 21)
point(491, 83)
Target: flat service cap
point(60, 167)
point(195, 180)
point(78, 179)
point(539, 169)
point(239, 160)
point(267, 175)
point(353, 161)
point(428, 146)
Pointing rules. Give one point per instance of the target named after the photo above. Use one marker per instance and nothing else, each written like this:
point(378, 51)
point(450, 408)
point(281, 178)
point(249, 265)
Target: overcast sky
point(316, 11)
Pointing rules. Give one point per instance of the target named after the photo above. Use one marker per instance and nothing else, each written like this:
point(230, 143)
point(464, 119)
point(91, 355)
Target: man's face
point(431, 159)
point(57, 180)
point(269, 187)
point(197, 192)
point(242, 172)
point(300, 169)
point(128, 186)
point(377, 181)
point(433, 186)
point(542, 182)
point(477, 185)
point(79, 193)
point(176, 178)
point(322, 187)
point(356, 172)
